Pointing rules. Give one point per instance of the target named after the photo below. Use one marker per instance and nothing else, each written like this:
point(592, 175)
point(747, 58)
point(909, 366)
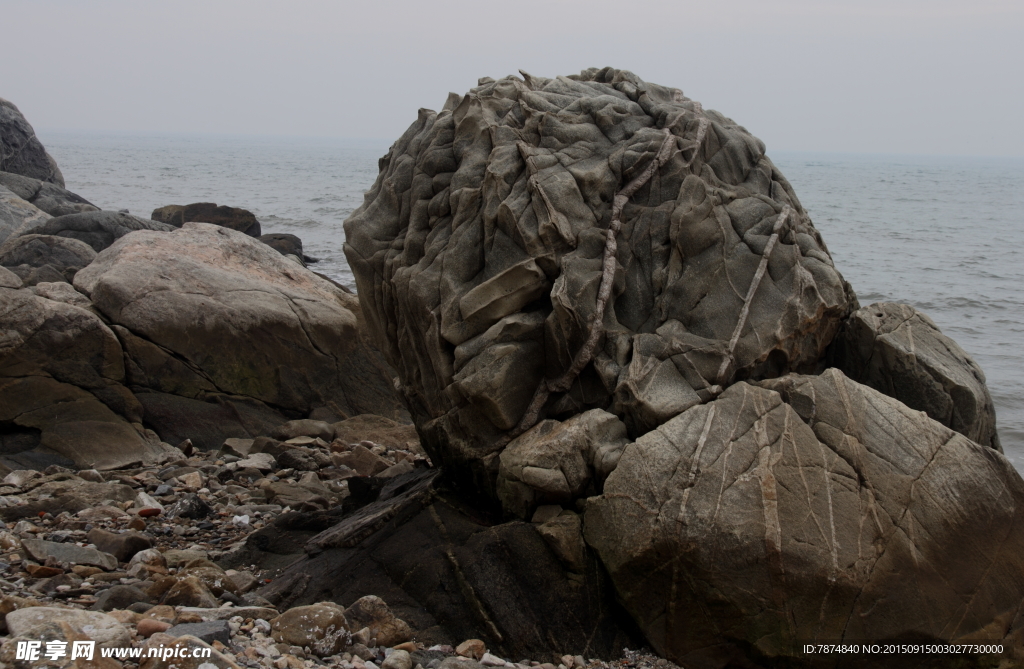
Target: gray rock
point(18, 215)
point(119, 597)
point(232, 309)
point(899, 351)
point(552, 463)
point(479, 259)
point(9, 279)
point(122, 546)
point(232, 218)
point(62, 387)
point(190, 506)
point(812, 508)
point(52, 199)
point(284, 244)
point(39, 550)
point(61, 292)
point(21, 152)
point(98, 229)
point(209, 631)
point(66, 256)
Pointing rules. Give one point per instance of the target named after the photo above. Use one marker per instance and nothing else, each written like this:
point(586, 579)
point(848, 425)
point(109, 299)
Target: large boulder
point(21, 152)
point(810, 509)
point(542, 247)
point(52, 199)
point(62, 394)
point(899, 351)
point(209, 312)
point(18, 215)
point(234, 218)
point(98, 229)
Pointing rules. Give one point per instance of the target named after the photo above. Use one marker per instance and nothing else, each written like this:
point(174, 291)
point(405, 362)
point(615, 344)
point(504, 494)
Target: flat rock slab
point(209, 631)
point(39, 550)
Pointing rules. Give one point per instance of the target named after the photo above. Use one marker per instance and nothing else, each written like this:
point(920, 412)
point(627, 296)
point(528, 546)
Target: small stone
point(408, 646)
point(385, 627)
point(471, 648)
point(122, 546)
point(20, 477)
point(213, 630)
point(400, 659)
point(568, 661)
point(119, 597)
point(193, 480)
point(85, 571)
point(489, 660)
point(42, 571)
point(137, 524)
point(91, 475)
point(190, 506)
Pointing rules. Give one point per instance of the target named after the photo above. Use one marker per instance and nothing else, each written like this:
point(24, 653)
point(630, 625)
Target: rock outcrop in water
point(601, 296)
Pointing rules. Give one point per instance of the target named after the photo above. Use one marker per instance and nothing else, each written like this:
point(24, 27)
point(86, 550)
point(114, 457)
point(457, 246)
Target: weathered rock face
point(234, 218)
point(208, 310)
point(52, 199)
point(485, 252)
point(62, 398)
point(21, 152)
point(899, 351)
point(811, 508)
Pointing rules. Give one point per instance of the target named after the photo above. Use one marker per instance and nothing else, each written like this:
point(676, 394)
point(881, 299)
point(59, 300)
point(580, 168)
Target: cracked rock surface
point(610, 314)
point(542, 247)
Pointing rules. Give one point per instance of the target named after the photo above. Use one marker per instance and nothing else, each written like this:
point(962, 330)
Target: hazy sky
point(881, 76)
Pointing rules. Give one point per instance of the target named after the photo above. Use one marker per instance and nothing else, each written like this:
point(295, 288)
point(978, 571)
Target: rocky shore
point(602, 388)
point(138, 564)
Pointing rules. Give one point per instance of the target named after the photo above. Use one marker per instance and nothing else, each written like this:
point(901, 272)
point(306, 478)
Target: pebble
point(239, 505)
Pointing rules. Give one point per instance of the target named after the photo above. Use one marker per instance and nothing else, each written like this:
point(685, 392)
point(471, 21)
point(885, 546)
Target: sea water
point(942, 234)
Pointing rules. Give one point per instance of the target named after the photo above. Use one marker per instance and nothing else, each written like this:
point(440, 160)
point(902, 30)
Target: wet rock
point(899, 351)
point(232, 218)
point(284, 244)
point(322, 626)
point(810, 508)
point(21, 152)
point(122, 546)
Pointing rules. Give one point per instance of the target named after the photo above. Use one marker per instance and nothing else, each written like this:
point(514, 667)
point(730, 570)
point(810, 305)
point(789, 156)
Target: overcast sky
point(877, 76)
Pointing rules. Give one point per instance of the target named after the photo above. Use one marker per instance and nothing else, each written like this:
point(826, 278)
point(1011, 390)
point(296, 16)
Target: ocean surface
point(943, 234)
